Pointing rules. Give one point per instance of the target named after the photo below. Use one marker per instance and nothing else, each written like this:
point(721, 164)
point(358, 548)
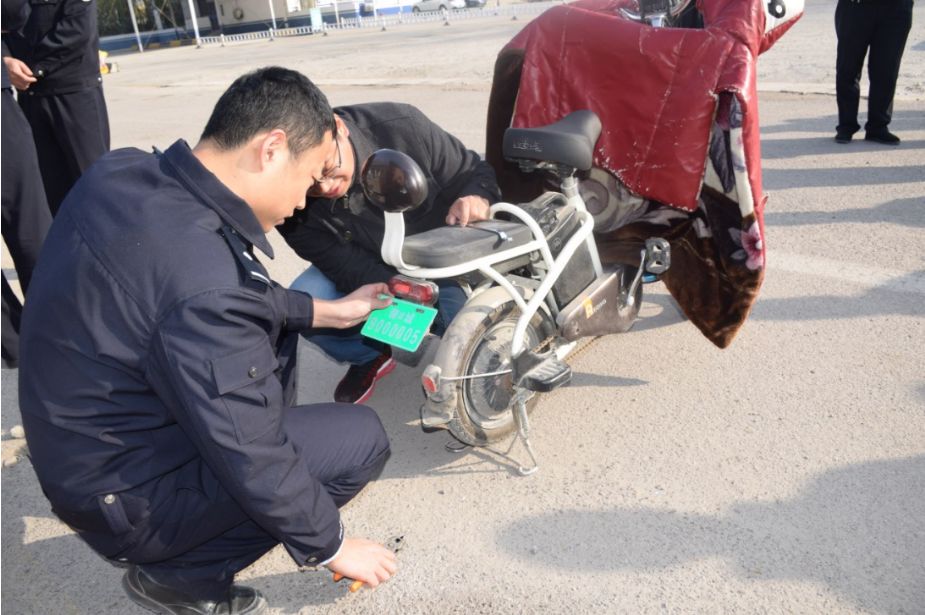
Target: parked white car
point(437, 5)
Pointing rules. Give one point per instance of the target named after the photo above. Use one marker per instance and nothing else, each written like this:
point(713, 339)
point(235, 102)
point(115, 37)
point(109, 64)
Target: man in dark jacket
point(55, 65)
point(25, 211)
point(341, 233)
point(157, 375)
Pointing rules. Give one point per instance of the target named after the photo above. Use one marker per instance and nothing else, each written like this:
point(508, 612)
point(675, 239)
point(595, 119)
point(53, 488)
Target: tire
point(484, 413)
point(415, 10)
point(627, 314)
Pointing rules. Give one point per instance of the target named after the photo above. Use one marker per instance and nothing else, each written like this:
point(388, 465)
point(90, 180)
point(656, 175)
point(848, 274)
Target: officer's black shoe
point(882, 136)
point(144, 591)
point(358, 383)
point(843, 137)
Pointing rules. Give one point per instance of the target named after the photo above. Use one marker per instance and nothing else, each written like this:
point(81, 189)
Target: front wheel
point(484, 409)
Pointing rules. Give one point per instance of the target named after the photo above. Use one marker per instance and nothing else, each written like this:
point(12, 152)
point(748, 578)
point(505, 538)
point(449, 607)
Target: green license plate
point(403, 324)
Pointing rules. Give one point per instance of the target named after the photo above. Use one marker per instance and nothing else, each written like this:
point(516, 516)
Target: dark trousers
point(881, 26)
point(25, 214)
point(198, 538)
point(71, 131)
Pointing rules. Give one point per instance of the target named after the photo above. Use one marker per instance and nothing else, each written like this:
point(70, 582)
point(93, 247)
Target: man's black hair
point(267, 99)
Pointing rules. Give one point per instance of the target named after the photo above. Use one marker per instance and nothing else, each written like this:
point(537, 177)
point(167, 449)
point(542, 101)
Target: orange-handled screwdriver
point(394, 544)
point(354, 587)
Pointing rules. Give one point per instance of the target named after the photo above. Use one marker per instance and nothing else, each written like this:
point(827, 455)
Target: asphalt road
point(785, 474)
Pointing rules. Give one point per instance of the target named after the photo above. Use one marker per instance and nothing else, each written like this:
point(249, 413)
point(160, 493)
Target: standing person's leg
point(25, 215)
point(25, 211)
point(56, 174)
point(854, 32)
point(886, 52)
point(11, 317)
point(82, 122)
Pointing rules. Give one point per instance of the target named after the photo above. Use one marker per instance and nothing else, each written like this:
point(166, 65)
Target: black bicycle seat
point(446, 246)
point(570, 141)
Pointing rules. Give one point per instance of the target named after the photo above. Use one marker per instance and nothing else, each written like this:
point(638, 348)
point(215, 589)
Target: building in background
point(163, 23)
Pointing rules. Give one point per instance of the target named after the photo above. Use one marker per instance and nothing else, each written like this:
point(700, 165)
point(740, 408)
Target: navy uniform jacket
point(343, 237)
point(60, 43)
point(149, 346)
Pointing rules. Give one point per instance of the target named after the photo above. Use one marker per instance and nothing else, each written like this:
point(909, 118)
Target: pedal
point(541, 373)
point(548, 375)
point(658, 255)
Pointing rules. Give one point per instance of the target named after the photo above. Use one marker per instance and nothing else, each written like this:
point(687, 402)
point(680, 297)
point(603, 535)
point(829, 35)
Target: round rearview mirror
point(393, 181)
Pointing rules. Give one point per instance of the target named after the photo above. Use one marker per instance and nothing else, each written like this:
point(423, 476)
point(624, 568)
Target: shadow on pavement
point(584, 379)
point(878, 301)
point(903, 119)
point(658, 310)
point(901, 212)
point(841, 176)
point(856, 530)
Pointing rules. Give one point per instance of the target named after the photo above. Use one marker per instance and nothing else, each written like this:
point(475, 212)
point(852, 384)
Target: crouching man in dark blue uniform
point(157, 367)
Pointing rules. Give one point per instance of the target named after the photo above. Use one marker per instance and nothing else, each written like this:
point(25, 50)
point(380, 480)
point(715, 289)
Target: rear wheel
point(415, 10)
point(484, 411)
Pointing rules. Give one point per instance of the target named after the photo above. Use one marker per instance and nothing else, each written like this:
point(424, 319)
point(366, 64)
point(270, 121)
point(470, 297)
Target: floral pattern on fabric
point(751, 246)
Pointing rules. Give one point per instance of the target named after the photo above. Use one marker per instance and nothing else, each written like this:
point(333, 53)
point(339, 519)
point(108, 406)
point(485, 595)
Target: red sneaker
point(358, 383)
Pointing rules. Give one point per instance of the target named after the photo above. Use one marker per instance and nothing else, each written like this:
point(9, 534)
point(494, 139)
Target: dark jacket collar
point(363, 148)
point(211, 191)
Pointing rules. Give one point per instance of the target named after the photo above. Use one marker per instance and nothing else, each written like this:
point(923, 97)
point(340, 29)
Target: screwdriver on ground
point(394, 544)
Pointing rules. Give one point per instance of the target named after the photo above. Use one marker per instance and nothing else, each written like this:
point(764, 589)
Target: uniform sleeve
point(15, 13)
point(68, 39)
point(299, 308)
point(213, 356)
point(450, 160)
point(347, 264)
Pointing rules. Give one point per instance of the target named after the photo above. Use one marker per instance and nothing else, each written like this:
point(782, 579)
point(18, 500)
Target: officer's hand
point(353, 309)
point(20, 75)
point(468, 209)
point(364, 560)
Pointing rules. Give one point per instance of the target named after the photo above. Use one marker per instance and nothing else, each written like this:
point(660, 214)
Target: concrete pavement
point(785, 474)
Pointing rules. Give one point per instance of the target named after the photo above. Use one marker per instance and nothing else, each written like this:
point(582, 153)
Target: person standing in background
point(54, 63)
point(881, 26)
point(25, 211)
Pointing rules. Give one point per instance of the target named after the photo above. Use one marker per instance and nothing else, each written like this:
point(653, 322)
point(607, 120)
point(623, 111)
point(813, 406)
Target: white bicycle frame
point(395, 236)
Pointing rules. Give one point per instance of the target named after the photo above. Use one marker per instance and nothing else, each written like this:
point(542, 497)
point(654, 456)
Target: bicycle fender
point(440, 406)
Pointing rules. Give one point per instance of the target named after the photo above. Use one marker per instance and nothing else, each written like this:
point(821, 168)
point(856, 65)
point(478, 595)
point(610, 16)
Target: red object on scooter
point(674, 104)
point(419, 291)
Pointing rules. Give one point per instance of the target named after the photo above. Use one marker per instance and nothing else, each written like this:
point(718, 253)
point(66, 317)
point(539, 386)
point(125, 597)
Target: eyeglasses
point(328, 174)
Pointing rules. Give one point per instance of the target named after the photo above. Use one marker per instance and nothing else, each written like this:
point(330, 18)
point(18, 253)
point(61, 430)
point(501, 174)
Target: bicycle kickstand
point(523, 431)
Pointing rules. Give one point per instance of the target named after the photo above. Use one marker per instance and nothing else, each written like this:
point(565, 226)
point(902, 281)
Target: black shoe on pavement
point(843, 137)
point(146, 592)
point(358, 383)
point(883, 136)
